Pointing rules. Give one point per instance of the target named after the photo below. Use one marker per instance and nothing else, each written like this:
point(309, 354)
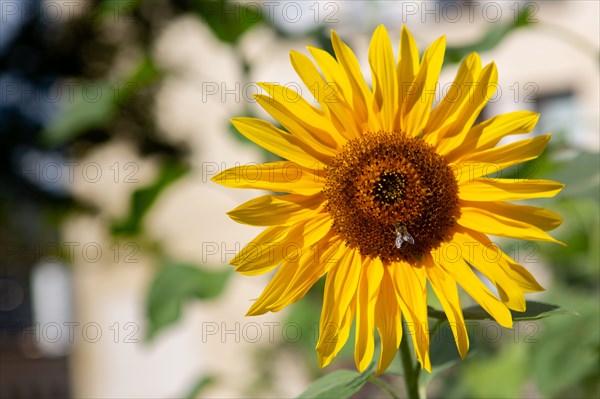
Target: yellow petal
point(271, 210)
point(497, 267)
point(539, 217)
point(333, 72)
point(486, 260)
point(332, 338)
point(513, 270)
point(517, 152)
point(408, 63)
point(362, 96)
point(341, 285)
point(282, 176)
point(279, 142)
point(262, 253)
point(314, 231)
point(520, 275)
point(445, 114)
point(327, 95)
point(388, 319)
point(366, 298)
point(296, 115)
point(479, 219)
point(465, 277)
point(385, 79)
point(314, 262)
point(338, 299)
point(507, 189)
point(488, 133)
point(445, 289)
point(420, 95)
point(494, 160)
point(453, 135)
point(273, 290)
point(411, 292)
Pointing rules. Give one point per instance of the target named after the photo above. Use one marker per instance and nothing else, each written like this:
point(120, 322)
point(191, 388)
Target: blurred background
point(114, 244)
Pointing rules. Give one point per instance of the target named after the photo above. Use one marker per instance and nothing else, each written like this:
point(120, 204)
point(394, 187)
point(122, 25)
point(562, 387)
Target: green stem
point(384, 386)
point(411, 369)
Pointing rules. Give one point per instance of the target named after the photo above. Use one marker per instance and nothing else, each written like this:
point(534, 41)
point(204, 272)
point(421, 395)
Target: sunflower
point(380, 194)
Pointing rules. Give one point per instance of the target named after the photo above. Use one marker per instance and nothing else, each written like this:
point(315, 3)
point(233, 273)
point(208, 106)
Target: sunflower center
point(391, 196)
point(390, 187)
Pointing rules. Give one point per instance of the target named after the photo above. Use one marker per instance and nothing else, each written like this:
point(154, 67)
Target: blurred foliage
point(203, 383)
point(93, 111)
point(143, 198)
point(176, 283)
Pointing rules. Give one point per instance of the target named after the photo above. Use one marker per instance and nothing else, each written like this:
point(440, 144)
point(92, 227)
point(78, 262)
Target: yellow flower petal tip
point(375, 203)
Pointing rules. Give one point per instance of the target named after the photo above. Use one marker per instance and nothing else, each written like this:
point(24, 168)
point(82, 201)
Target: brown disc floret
point(385, 180)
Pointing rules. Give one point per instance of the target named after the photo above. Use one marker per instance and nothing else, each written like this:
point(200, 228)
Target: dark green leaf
point(434, 313)
point(174, 284)
point(339, 384)
point(535, 311)
point(443, 349)
point(143, 198)
point(539, 310)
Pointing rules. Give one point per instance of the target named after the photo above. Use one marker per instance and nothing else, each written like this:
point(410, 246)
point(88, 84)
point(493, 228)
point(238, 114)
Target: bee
point(402, 236)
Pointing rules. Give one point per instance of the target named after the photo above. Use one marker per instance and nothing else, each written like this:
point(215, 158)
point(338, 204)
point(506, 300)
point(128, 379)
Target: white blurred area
point(52, 307)
point(202, 90)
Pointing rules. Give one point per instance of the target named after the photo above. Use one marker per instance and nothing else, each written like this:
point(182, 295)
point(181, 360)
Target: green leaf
point(434, 313)
point(174, 284)
point(339, 384)
point(535, 310)
point(539, 310)
point(143, 198)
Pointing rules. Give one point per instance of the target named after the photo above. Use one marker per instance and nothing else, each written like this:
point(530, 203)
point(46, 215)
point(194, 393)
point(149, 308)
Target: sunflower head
point(388, 195)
